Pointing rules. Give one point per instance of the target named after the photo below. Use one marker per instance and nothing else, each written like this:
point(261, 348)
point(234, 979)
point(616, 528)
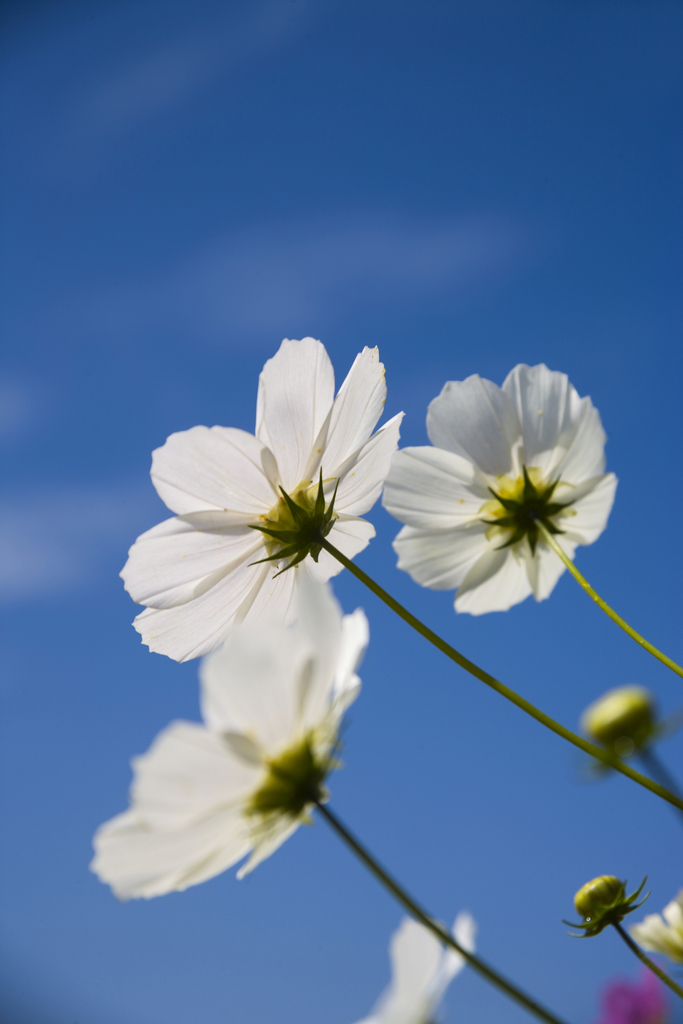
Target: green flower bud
point(623, 720)
point(603, 901)
point(596, 896)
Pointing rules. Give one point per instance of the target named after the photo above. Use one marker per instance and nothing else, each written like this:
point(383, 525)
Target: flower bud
point(596, 896)
point(622, 720)
point(602, 902)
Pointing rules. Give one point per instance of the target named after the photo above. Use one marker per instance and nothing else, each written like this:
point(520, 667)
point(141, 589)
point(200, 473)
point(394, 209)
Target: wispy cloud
point(165, 76)
point(20, 408)
point(56, 540)
point(275, 278)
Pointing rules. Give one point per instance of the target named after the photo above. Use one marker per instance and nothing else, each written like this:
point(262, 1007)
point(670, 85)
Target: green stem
point(442, 934)
point(589, 748)
point(656, 768)
point(658, 771)
point(648, 963)
point(548, 537)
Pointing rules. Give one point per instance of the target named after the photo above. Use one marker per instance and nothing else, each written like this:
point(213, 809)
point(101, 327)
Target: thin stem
point(589, 748)
point(442, 934)
point(648, 963)
point(658, 771)
point(605, 607)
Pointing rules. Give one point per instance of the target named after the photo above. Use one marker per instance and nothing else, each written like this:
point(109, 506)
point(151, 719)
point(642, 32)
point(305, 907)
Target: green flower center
point(298, 523)
point(523, 506)
point(295, 779)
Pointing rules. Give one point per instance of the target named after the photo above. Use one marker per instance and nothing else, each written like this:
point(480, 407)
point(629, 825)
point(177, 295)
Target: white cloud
point(167, 75)
point(19, 408)
point(58, 540)
point(274, 279)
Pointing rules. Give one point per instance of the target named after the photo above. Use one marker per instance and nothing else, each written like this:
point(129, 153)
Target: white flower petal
point(440, 559)
point(244, 747)
point(296, 391)
point(361, 484)
point(431, 488)
point(188, 773)
point(465, 932)
point(555, 422)
point(545, 567)
point(416, 957)
point(590, 512)
point(650, 933)
point(452, 963)
point(332, 685)
point(186, 822)
point(201, 625)
point(137, 861)
point(357, 407)
point(421, 971)
point(319, 617)
point(496, 582)
point(476, 419)
point(272, 598)
point(349, 535)
point(347, 684)
point(269, 842)
point(344, 697)
point(585, 456)
point(250, 685)
point(214, 468)
point(673, 914)
point(174, 562)
point(657, 936)
point(355, 637)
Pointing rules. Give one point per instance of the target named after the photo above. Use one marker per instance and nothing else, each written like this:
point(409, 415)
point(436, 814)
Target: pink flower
point(640, 1002)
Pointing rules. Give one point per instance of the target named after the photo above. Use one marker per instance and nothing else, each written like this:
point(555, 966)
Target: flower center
point(295, 779)
point(298, 523)
point(522, 506)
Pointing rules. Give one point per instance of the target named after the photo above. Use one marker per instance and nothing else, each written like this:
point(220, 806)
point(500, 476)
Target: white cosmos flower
point(421, 969)
point(196, 572)
point(204, 796)
point(663, 933)
point(504, 459)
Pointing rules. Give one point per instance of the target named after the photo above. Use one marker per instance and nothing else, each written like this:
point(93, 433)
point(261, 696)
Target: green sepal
point(293, 782)
point(302, 535)
point(525, 515)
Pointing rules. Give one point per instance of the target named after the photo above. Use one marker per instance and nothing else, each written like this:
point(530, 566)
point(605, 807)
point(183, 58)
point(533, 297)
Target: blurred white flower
point(196, 573)
point(663, 933)
point(505, 461)
point(422, 969)
point(204, 796)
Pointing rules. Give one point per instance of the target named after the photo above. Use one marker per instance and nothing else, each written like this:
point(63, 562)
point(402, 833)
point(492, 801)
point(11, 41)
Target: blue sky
point(468, 184)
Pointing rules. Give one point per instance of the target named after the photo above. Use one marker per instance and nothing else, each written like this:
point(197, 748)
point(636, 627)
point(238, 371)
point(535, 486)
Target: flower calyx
point(297, 525)
point(527, 509)
point(623, 720)
point(603, 901)
point(293, 782)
